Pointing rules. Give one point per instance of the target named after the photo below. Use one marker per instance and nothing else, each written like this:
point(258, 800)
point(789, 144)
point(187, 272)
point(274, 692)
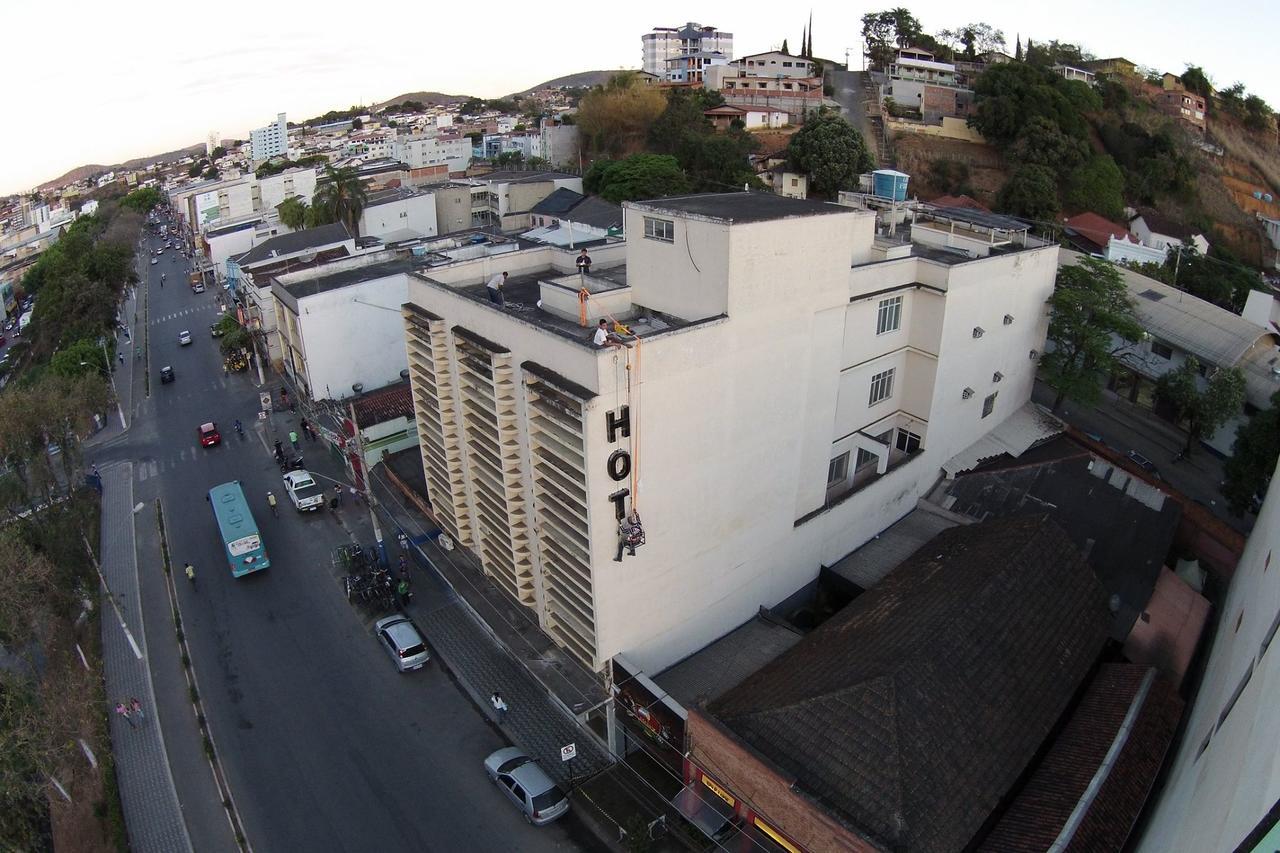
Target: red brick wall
point(736, 769)
point(939, 99)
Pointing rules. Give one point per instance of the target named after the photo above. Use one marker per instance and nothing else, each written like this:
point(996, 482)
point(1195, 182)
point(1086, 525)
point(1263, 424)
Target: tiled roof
point(960, 201)
point(385, 404)
point(912, 712)
point(1043, 807)
point(1158, 223)
point(1096, 229)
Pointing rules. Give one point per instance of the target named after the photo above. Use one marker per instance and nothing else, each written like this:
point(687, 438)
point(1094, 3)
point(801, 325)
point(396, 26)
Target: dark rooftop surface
point(296, 241)
point(713, 670)
point(1044, 805)
point(234, 227)
point(345, 278)
point(560, 202)
point(911, 713)
point(518, 177)
point(740, 207)
point(1124, 530)
point(522, 293)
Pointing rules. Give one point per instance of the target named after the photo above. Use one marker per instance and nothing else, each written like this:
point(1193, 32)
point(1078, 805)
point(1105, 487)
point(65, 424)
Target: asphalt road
point(326, 747)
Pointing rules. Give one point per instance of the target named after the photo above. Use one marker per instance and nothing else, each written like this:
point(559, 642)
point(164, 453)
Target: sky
point(94, 82)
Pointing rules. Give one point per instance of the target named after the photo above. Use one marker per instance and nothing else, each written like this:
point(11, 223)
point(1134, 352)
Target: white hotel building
point(666, 43)
point(798, 383)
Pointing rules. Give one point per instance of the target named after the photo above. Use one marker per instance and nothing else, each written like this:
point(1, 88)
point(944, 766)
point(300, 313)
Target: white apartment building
point(270, 141)
point(419, 151)
point(794, 383)
point(208, 204)
point(399, 214)
point(337, 324)
point(663, 43)
point(1223, 787)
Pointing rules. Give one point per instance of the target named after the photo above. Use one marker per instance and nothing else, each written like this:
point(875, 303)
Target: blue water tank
point(1257, 194)
point(886, 183)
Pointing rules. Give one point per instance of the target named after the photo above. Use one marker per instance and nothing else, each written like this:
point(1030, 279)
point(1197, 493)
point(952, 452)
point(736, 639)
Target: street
point(325, 745)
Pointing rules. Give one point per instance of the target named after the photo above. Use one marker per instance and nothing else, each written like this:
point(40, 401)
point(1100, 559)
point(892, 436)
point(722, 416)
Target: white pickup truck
point(304, 491)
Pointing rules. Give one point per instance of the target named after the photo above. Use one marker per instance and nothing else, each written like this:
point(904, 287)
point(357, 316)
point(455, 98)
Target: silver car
point(527, 785)
point(401, 639)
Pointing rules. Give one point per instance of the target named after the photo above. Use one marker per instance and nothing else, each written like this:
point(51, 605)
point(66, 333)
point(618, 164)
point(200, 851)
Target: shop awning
point(703, 809)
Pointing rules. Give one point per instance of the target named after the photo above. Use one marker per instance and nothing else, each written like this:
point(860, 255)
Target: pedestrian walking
point(121, 354)
point(306, 429)
point(279, 452)
point(499, 706)
point(124, 712)
point(135, 709)
point(293, 439)
point(337, 495)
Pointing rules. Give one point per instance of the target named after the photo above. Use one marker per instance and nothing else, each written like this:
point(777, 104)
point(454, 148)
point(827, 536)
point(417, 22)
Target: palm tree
point(341, 194)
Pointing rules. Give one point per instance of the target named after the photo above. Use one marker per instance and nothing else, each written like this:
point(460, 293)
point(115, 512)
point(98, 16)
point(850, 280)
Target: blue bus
point(240, 539)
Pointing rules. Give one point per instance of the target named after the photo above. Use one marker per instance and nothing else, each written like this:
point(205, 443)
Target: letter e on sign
point(568, 752)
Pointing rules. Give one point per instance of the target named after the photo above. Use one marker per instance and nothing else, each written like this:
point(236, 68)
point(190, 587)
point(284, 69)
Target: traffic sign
point(568, 752)
point(264, 399)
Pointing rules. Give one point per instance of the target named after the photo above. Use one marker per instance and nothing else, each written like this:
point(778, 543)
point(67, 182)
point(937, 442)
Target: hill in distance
point(584, 79)
point(427, 98)
point(81, 172)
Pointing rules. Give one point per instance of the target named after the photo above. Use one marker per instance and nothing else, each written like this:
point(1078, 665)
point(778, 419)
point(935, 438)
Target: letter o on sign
point(619, 465)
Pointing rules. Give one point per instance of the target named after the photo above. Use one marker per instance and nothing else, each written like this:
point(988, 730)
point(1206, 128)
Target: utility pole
point(368, 486)
point(111, 374)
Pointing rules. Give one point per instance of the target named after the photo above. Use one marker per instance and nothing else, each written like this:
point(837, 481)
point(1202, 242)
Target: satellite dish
point(357, 387)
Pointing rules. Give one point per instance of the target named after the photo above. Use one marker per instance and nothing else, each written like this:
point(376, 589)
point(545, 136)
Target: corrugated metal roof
point(1017, 434)
point(1210, 333)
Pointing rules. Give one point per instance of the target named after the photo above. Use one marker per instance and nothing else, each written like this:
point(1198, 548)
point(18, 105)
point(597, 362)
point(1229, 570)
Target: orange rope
point(584, 296)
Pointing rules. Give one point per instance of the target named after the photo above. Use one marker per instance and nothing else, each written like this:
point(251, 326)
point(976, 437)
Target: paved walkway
point(151, 810)
point(482, 665)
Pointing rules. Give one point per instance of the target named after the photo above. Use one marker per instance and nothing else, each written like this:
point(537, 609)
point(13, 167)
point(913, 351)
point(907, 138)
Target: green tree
point(211, 173)
point(883, 31)
point(1089, 312)
point(976, 39)
point(1030, 192)
point(594, 176)
point(81, 358)
point(1223, 281)
point(831, 152)
point(218, 153)
point(1011, 94)
point(1196, 81)
point(293, 212)
point(1253, 458)
point(1202, 409)
point(342, 194)
point(1042, 143)
point(357, 123)
point(642, 176)
point(142, 200)
point(194, 170)
point(1257, 114)
point(1232, 99)
point(1098, 186)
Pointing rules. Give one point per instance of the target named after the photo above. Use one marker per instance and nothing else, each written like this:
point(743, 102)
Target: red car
point(209, 435)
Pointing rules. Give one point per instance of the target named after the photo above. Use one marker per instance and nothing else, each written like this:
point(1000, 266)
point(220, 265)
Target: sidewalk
point(151, 810)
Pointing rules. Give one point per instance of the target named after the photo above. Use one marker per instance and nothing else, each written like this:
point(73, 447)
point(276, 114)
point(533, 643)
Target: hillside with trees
point(1057, 147)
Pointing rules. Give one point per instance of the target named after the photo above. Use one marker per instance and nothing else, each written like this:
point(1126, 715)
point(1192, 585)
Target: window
point(837, 470)
point(907, 441)
point(889, 315)
point(865, 458)
point(1161, 349)
point(989, 404)
point(881, 387)
point(659, 229)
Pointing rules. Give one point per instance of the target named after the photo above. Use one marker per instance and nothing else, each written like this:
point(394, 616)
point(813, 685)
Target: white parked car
point(304, 491)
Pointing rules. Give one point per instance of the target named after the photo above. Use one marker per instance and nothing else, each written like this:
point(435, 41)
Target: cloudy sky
point(104, 82)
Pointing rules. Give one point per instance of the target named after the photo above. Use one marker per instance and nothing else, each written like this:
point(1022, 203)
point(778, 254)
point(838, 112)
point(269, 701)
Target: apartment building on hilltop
point(791, 385)
point(665, 43)
point(270, 141)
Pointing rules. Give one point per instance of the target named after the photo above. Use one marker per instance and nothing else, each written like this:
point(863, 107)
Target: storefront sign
point(719, 792)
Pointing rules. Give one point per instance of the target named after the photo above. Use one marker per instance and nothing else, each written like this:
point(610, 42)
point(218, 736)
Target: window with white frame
point(838, 469)
point(659, 229)
point(881, 387)
point(865, 458)
point(907, 441)
point(889, 315)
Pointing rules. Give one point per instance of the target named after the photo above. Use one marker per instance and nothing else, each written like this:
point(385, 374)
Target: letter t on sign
point(621, 422)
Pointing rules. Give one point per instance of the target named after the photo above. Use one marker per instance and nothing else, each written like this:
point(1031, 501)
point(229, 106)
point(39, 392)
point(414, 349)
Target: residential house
point(723, 116)
point(774, 63)
point(559, 143)
point(385, 419)
point(895, 357)
point(507, 196)
point(1187, 107)
point(450, 149)
point(1157, 231)
point(1094, 235)
point(918, 81)
point(1072, 73)
point(742, 87)
point(1116, 66)
point(689, 69)
point(568, 218)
